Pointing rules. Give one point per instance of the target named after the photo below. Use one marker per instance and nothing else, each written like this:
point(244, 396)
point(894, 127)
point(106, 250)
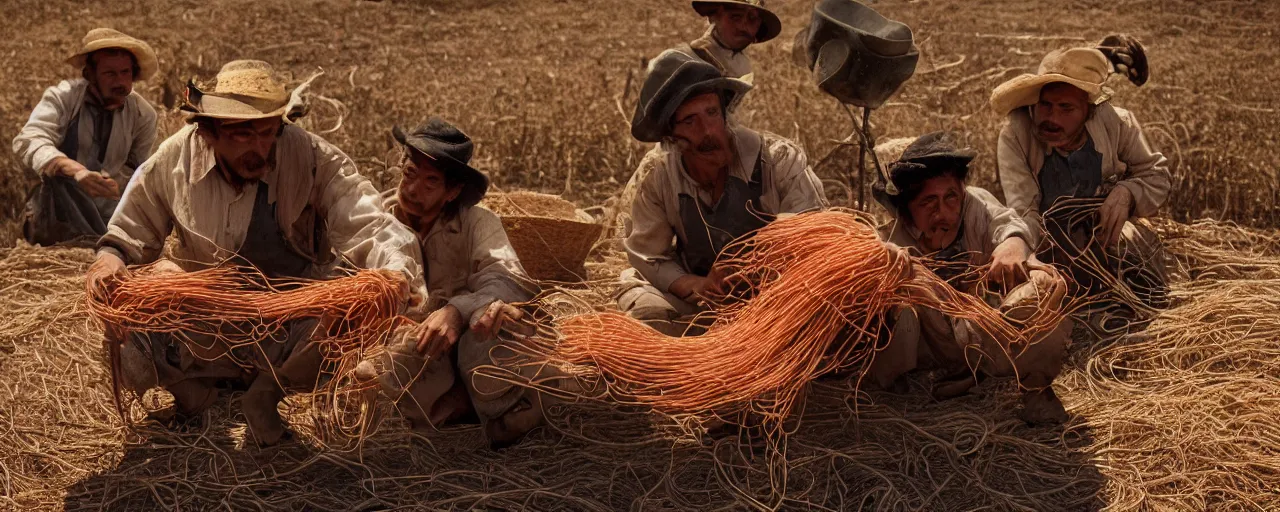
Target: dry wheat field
point(1183, 416)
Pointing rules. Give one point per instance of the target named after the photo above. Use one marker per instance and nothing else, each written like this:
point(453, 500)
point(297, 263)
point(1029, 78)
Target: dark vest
point(709, 230)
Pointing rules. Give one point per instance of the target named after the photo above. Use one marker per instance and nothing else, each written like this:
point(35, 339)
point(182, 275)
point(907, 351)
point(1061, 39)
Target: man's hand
point(692, 287)
point(439, 332)
point(1112, 215)
point(105, 268)
point(1009, 262)
point(497, 314)
point(97, 184)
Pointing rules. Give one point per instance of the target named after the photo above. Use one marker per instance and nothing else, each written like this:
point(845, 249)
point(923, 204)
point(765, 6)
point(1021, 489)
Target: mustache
point(119, 91)
point(1047, 126)
point(252, 162)
point(708, 145)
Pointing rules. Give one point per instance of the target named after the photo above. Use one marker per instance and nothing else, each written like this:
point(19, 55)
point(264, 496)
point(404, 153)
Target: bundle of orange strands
point(822, 285)
point(238, 306)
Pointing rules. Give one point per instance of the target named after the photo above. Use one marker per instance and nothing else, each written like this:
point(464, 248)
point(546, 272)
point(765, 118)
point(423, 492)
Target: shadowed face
point(736, 25)
point(1060, 115)
point(700, 129)
point(246, 149)
point(424, 190)
point(110, 72)
point(936, 211)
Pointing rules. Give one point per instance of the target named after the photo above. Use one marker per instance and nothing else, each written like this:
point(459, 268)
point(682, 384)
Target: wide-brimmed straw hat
point(103, 38)
point(856, 55)
point(673, 78)
point(246, 90)
point(770, 25)
point(450, 151)
point(1084, 68)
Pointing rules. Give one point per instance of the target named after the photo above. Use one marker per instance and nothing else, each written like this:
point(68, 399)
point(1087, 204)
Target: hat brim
point(147, 62)
point(475, 184)
point(653, 130)
point(1024, 90)
point(770, 24)
point(222, 107)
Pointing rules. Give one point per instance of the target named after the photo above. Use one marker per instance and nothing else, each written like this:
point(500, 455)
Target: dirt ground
point(1179, 418)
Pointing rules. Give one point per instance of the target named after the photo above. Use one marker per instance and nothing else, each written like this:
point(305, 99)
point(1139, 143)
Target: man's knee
point(647, 304)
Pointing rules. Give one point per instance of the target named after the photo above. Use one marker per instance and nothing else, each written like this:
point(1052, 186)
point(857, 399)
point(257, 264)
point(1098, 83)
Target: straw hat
point(674, 77)
point(770, 25)
point(1085, 68)
point(247, 90)
point(856, 55)
point(103, 38)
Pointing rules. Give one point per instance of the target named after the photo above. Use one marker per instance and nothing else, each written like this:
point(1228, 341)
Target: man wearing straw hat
point(708, 182)
point(473, 276)
point(734, 25)
point(242, 183)
point(85, 138)
point(936, 215)
point(1065, 140)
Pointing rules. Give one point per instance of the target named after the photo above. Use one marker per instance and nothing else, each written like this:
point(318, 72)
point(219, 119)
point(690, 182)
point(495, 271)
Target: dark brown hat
point(770, 25)
point(673, 78)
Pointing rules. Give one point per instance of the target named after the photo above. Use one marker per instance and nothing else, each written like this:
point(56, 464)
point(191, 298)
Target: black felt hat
point(450, 150)
point(673, 78)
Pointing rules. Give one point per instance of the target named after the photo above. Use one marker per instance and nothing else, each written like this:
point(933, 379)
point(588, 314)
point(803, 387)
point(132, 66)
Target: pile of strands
point(237, 307)
point(817, 289)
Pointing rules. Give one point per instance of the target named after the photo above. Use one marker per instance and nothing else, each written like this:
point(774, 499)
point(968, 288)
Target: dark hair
point(910, 179)
point(91, 62)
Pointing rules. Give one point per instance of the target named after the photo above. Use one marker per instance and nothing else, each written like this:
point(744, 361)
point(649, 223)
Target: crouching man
point(935, 214)
point(473, 276)
point(708, 182)
point(241, 183)
point(1066, 140)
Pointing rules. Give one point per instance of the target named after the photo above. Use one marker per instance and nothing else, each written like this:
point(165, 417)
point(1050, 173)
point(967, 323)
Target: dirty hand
point(1009, 262)
point(439, 332)
point(106, 267)
point(94, 183)
point(1053, 287)
point(1112, 215)
point(693, 287)
point(497, 314)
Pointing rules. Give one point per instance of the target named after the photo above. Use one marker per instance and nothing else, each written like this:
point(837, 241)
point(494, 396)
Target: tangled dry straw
point(1180, 417)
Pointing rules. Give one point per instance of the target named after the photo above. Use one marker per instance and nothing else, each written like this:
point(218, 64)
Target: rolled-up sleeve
point(649, 246)
point(1147, 177)
point(1021, 191)
point(1002, 221)
point(799, 189)
point(142, 220)
point(37, 143)
point(495, 273)
point(358, 227)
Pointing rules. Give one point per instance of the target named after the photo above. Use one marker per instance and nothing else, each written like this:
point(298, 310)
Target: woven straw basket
point(548, 233)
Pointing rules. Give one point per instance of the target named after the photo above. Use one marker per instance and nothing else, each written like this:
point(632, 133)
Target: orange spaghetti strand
point(814, 276)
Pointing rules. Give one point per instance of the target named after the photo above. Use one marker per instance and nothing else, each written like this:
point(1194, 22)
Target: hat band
point(228, 107)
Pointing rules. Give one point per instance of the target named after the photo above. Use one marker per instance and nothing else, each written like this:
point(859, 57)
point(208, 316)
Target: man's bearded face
point(1060, 115)
point(700, 128)
point(736, 26)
